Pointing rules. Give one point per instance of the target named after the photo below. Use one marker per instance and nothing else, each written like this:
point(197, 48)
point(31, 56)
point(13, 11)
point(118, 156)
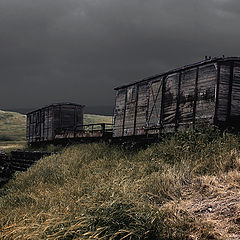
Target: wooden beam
point(53, 124)
point(135, 114)
point(230, 91)
point(178, 101)
point(195, 96)
point(124, 114)
point(217, 94)
point(162, 102)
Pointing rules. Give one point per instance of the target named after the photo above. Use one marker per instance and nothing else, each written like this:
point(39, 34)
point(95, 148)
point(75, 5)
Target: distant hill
point(12, 130)
point(93, 118)
point(99, 110)
point(12, 126)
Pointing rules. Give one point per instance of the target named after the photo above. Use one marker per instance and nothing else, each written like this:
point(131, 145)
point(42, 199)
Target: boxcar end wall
point(207, 91)
point(47, 123)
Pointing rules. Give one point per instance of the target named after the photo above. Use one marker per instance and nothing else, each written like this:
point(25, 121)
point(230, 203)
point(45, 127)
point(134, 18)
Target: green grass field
point(185, 187)
point(91, 118)
point(12, 130)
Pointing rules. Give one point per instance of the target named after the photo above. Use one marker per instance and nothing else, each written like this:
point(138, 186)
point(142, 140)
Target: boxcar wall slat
point(223, 92)
point(42, 124)
point(130, 110)
point(195, 96)
point(79, 114)
point(142, 108)
point(46, 124)
point(178, 102)
point(208, 92)
point(230, 91)
point(57, 117)
point(187, 92)
point(217, 89)
point(68, 117)
point(170, 102)
point(205, 106)
point(136, 108)
point(119, 112)
point(52, 124)
point(235, 102)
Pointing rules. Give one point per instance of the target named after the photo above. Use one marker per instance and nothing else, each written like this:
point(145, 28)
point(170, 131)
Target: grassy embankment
point(186, 187)
point(13, 128)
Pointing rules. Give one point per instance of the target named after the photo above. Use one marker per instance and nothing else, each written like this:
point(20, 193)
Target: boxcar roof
point(57, 104)
point(206, 61)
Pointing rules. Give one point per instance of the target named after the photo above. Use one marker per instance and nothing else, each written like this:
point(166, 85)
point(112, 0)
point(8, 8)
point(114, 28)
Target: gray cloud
point(78, 50)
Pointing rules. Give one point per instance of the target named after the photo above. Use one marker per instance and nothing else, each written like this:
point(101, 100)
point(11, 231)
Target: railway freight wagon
point(208, 91)
point(52, 122)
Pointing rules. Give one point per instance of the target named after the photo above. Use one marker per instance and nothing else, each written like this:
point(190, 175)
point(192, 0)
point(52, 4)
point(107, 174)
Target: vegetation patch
point(185, 187)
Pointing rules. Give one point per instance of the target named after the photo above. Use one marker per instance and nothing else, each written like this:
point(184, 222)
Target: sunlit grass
point(92, 118)
point(12, 130)
point(176, 189)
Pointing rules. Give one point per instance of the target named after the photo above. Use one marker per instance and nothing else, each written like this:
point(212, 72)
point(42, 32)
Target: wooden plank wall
point(28, 128)
point(142, 108)
point(39, 125)
point(57, 119)
point(119, 112)
point(130, 110)
point(155, 104)
point(68, 118)
point(224, 79)
point(205, 105)
point(167, 103)
point(48, 124)
point(235, 97)
point(170, 102)
point(79, 115)
point(44, 124)
point(187, 97)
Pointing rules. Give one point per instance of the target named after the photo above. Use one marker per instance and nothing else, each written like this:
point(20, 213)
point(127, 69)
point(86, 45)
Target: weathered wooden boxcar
point(207, 91)
point(50, 122)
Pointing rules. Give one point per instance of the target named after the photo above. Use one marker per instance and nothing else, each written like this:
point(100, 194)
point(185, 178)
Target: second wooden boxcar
point(207, 91)
point(50, 122)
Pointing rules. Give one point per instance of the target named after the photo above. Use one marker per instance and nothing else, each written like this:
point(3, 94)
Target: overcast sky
point(79, 50)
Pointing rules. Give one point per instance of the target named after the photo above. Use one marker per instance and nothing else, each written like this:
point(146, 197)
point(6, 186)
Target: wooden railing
point(86, 131)
point(93, 130)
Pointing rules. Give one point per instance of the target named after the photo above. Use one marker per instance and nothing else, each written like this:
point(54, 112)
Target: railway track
point(17, 161)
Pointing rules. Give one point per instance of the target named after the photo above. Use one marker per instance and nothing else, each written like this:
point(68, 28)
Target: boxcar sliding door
point(155, 106)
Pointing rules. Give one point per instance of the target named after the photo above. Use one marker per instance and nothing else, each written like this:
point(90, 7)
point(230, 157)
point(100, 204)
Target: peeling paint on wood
point(208, 91)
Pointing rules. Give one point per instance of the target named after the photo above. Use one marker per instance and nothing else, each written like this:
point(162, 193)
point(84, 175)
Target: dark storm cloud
point(78, 50)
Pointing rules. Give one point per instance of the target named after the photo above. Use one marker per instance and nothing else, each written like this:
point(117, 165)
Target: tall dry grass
point(97, 191)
